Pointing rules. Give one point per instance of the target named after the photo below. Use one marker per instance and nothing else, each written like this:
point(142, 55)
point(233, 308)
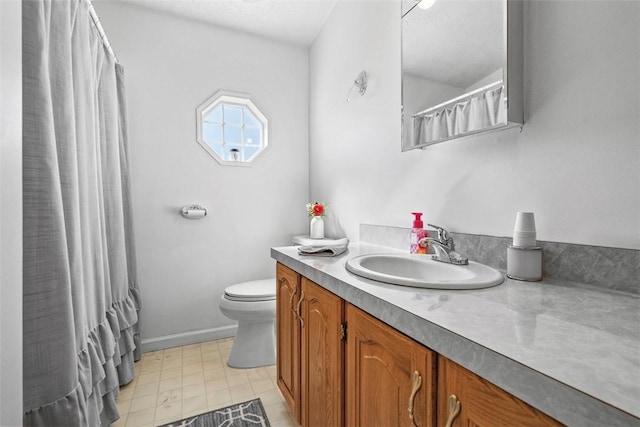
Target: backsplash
point(612, 268)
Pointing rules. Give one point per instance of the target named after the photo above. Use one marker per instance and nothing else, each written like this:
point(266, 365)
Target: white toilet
point(253, 305)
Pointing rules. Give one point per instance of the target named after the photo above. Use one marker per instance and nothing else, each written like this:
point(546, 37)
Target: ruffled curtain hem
point(104, 365)
point(480, 112)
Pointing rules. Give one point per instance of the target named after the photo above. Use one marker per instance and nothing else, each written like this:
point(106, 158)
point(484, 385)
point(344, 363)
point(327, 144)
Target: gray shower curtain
point(81, 298)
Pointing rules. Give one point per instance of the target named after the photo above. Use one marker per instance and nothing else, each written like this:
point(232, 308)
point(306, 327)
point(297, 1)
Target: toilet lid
point(257, 290)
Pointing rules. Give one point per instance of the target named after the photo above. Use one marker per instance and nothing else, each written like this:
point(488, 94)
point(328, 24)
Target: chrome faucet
point(444, 247)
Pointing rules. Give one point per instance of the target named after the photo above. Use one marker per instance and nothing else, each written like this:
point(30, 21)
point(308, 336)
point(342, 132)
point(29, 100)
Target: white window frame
point(224, 97)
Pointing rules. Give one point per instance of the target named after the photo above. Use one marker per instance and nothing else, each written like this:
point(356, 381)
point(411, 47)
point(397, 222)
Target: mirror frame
point(512, 77)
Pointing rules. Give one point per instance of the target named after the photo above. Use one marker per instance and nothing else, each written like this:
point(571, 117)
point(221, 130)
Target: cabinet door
point(288, 336)
point(480, 402)
point(322, 357)
point(390, 378)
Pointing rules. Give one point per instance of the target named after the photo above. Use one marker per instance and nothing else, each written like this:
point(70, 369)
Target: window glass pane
point(232, 114)
point(232, 134)
point(249, 118)
point(252, 136)
point(249, 152)
point(217, 148)
point(214, 116)
point(231, 128)
point(211, 133)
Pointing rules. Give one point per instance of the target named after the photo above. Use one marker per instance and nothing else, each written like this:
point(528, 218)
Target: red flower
point(315, 209)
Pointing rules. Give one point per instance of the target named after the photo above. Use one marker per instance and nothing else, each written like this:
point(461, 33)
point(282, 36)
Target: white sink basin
point(421, 271)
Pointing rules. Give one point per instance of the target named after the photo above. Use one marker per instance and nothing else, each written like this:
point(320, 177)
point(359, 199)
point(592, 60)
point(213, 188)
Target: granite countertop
point(571, 351)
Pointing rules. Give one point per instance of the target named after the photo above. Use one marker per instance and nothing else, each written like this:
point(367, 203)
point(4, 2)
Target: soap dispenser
point(417, 233)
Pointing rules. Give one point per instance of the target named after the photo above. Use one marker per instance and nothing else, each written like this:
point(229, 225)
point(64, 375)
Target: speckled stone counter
point(571, 351)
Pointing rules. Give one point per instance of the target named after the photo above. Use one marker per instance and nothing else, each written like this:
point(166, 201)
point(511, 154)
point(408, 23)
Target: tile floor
point(179, 382)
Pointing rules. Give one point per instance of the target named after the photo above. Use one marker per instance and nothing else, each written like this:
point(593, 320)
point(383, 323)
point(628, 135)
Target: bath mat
point(246, 414)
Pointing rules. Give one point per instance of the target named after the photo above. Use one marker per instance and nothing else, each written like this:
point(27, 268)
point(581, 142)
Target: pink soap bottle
point(417, 233)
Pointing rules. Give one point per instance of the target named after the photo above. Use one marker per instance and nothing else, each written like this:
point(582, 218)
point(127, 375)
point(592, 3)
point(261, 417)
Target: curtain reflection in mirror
point(479, 110)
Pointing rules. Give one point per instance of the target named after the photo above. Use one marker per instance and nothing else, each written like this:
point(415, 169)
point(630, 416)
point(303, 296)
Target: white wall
point(576, 163)
point(10, 213)
point(493, 77)
point(172, 65)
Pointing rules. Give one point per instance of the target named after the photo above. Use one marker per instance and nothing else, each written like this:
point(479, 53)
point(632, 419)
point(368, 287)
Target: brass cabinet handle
point(293, 294)
point(454, 409)
point(298, 308)
point(417, 383)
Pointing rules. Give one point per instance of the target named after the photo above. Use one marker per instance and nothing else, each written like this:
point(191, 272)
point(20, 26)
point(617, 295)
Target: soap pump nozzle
point(417, 222)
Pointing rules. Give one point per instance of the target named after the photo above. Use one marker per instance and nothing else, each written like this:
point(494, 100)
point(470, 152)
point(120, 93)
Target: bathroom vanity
point(352, 351)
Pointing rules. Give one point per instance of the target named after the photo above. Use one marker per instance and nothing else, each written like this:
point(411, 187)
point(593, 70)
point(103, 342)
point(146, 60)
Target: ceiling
point(450, 54)
point(291, 21)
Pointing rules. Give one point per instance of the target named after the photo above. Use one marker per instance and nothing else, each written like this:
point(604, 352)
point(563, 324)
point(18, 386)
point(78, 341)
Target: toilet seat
point(257, 290)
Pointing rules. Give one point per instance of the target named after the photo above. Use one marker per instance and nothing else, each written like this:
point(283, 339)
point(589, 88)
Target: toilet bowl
point(253, 306)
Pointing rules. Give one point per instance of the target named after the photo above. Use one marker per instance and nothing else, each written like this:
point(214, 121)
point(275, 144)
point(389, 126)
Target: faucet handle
point(443, 235)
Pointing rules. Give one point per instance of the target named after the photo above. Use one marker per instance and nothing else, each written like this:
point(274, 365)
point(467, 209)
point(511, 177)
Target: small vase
point(316, 227)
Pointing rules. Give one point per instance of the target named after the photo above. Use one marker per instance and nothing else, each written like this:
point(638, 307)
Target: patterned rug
point(246, 414)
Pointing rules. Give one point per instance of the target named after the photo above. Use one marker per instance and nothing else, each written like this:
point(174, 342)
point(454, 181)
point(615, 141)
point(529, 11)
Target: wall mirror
point(231, 128)
point(461, 69)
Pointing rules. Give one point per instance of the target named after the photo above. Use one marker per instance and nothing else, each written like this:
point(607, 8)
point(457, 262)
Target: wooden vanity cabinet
point(322, 357)
point(310, 349)
point(338, 365)
point(390, 378)
point(288, 336)
point(465, 399)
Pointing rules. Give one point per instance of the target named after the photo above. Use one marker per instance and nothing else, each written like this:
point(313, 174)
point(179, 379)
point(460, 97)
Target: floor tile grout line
point(217, 354)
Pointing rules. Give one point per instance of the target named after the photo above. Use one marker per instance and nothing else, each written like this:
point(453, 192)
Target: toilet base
point(254, 346)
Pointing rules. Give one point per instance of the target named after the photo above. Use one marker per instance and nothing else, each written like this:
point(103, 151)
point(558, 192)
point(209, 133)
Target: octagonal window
point(231, 128)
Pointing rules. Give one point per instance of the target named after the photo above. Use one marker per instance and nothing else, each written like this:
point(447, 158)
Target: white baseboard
point(186, 338)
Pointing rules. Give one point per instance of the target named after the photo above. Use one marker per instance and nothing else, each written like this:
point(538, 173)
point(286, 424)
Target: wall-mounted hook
point(359, 83)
